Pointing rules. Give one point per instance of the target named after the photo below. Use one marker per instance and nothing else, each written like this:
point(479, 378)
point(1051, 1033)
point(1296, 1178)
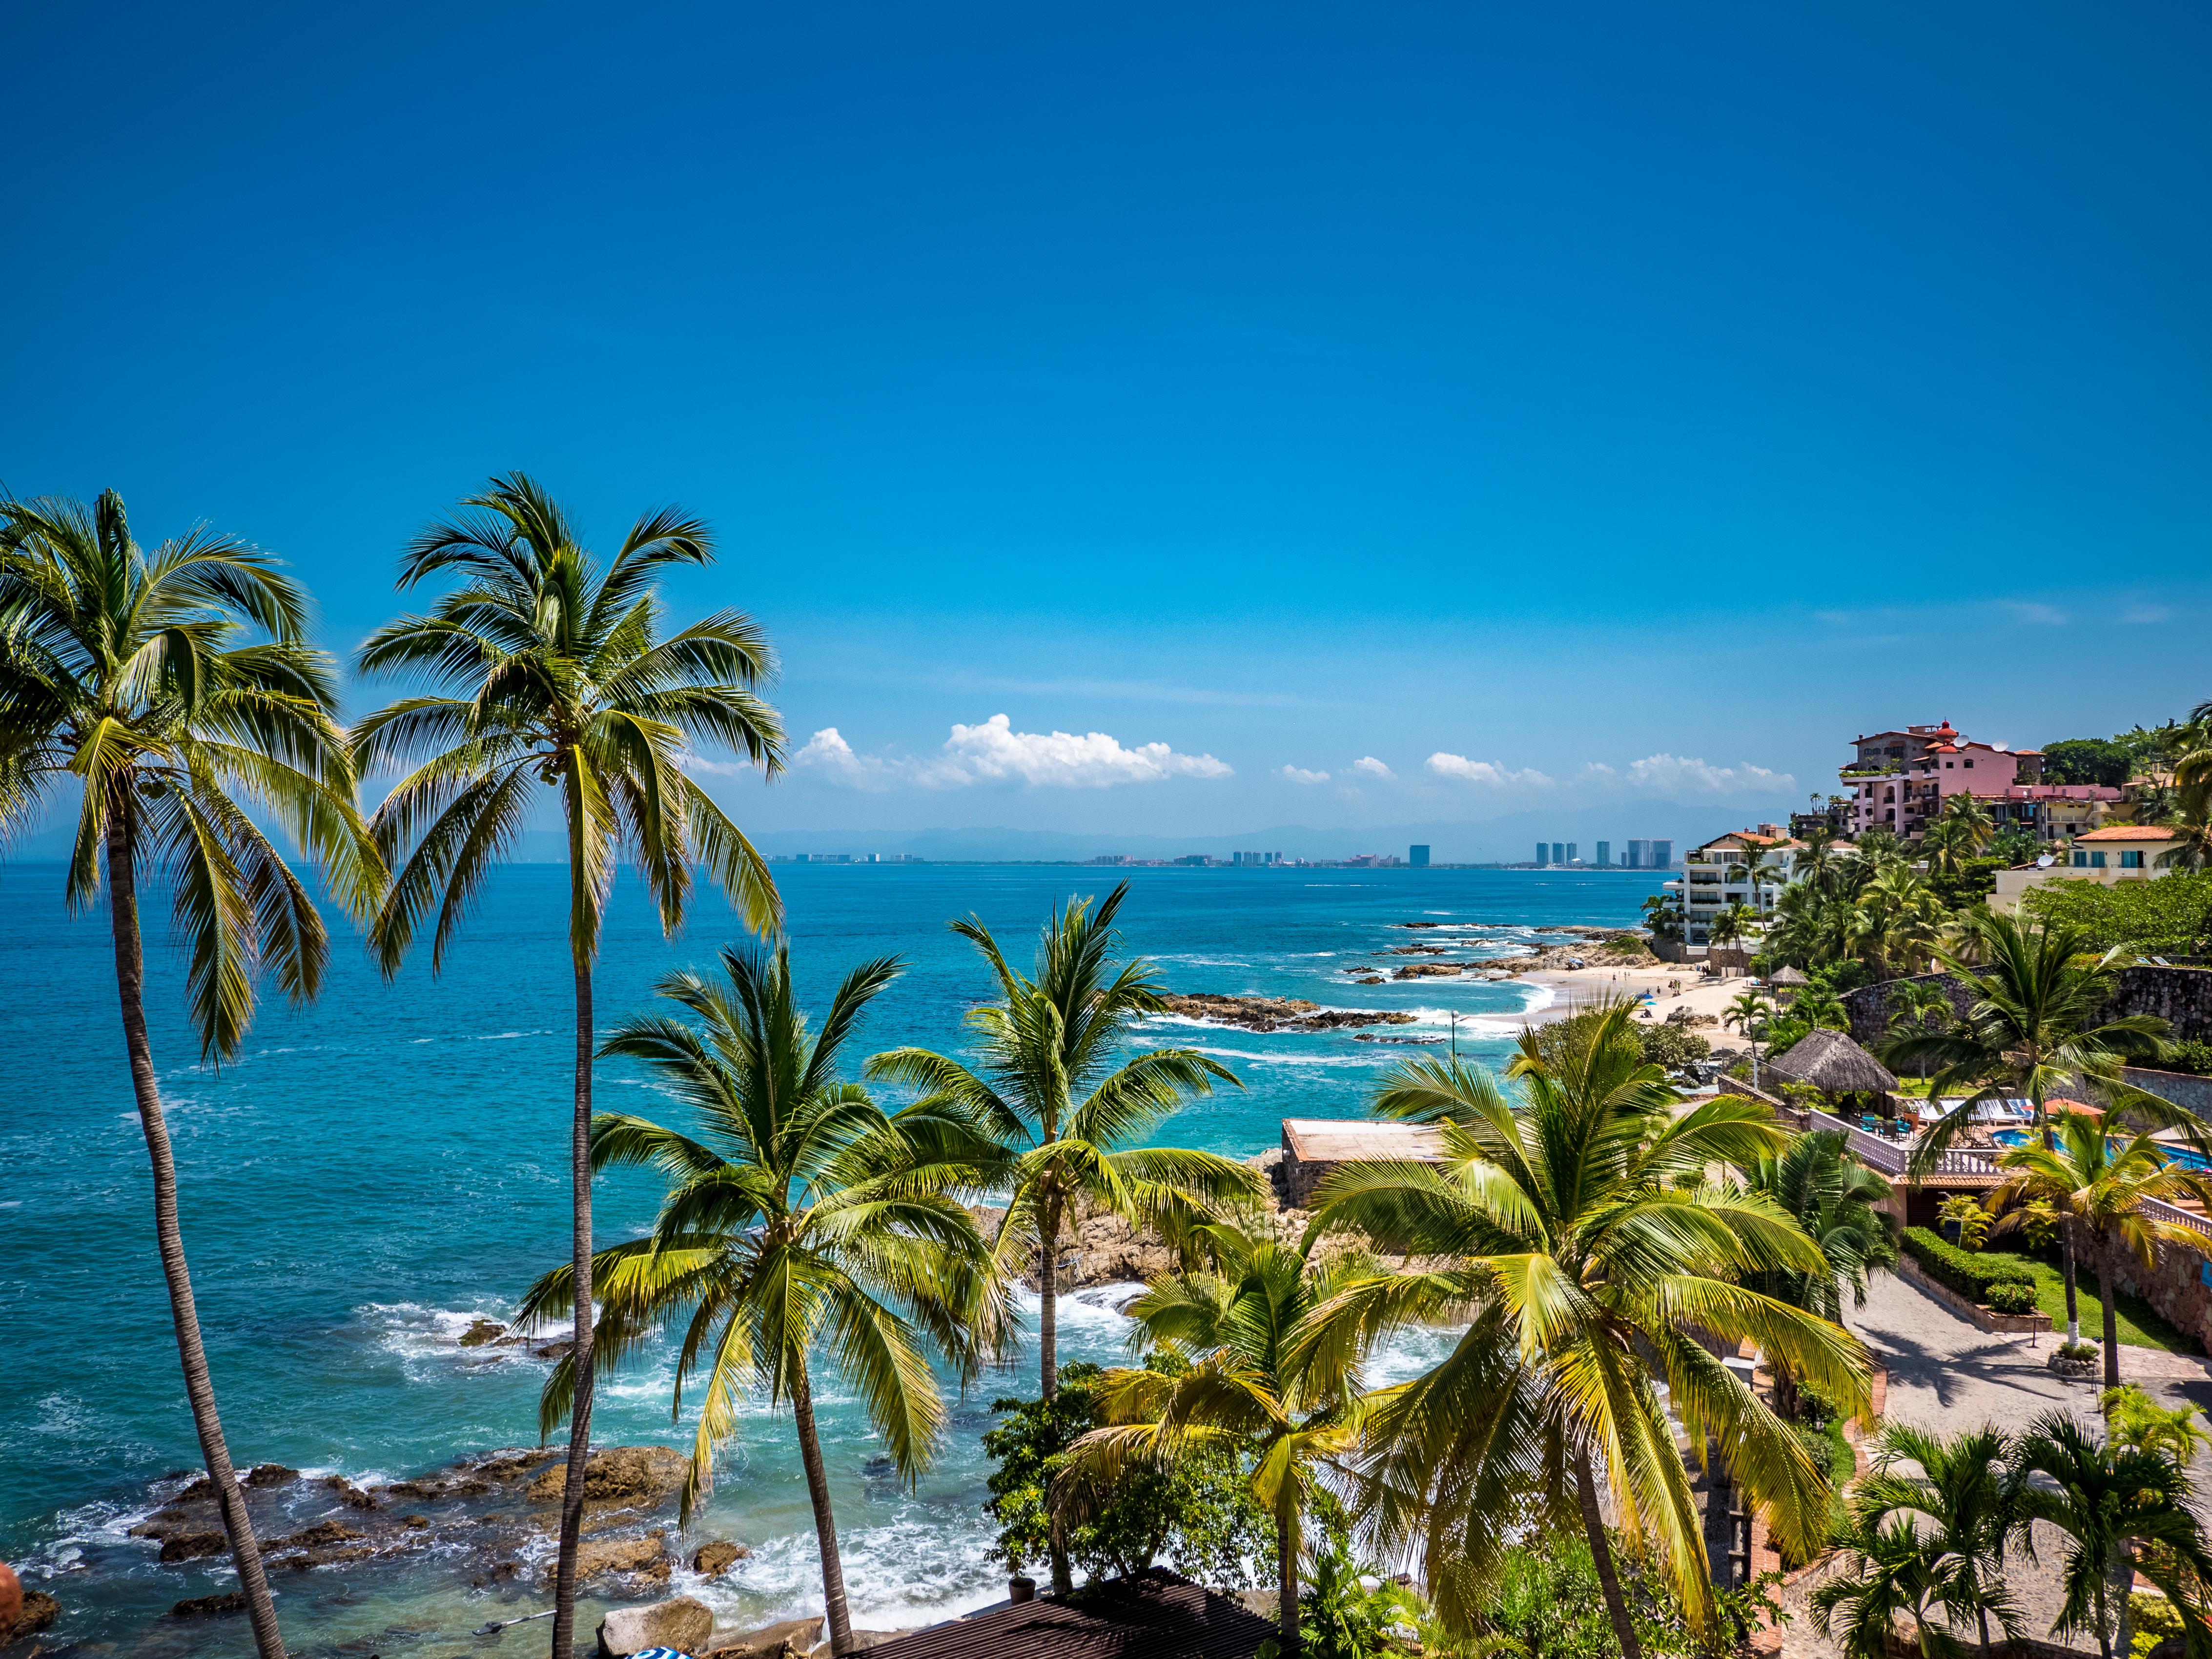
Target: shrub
point(2012, 1296)
point(2155, 1619)
point(1671, 1046)
point(1970, 1275)
point(2192, 1057)
point(2169, 917)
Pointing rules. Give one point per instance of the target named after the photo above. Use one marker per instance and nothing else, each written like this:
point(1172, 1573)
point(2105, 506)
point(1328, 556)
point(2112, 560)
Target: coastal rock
point(193, 1545)
point(618, 1477)
point(511, 1466)
point(713, 1560)
point(322, 1533)
point(768, 1643)
point(348, 1493)
point(201, 1606)
point(683, 1622)
point(263, 1476)
point(482, 1331)
point(1429, 970)
point(638, 1559)
point(39, 1612)
point(1276, 1013)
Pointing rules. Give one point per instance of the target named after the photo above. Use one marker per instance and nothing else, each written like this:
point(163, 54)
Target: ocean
point(378, 1170)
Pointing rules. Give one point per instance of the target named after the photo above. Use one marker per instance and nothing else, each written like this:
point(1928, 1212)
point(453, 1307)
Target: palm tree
point(1576, 1237)
point(1966, 828)
point(1732, 925)
point(1048, 1090)
point(801, 1217)
point(1236, 1325)
point(2031, 1030)
point(1919, 1004)
point(1749, 1013)
point(1835, 1198)
point(2102, 1177)
point(544, 667)
point(1959, 1507)
point(175, 687)
point(1892, 1573)
point(1905, 919)
point(2124, 1512)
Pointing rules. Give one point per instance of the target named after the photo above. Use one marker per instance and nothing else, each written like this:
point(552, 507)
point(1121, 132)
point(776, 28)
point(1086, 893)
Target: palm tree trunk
point(1616, 1605)
point(580, 1414)
point(826, 1523)
point(2110, 1298)
point(2073, 1303)
point(1286, 1569)
point(199, 1387)
point(1063, 1577)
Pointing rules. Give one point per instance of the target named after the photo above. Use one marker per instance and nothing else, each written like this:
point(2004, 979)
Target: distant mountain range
point(1510, 839)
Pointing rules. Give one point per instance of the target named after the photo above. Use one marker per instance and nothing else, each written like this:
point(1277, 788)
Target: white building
point(1721, 874)
point(2126, 852)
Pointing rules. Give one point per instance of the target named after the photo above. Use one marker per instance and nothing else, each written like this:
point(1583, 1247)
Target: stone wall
point(2192, 1094)
point(2181, 996)
point(2175, 1288)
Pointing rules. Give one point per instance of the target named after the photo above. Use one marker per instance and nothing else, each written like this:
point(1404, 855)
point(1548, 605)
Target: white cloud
point(1680, 772)
point(1374, 768)
point(994, 752)
point(1299, 775)
point(2148, 613)
point(1475, 771)
point(2027, 611)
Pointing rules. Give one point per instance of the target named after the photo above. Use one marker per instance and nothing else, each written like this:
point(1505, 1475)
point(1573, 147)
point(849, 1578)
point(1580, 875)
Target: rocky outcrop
point(1277, 1013)
point(639, 1560)
point(618, 1477)
point(482, 1331)
point(1429, 970)
point(192, 1546)
point(264, 1477)
point(798, 1635)
point(39, 1612)
point(204, 1606)
point(683, 1623)
point(713, 1560)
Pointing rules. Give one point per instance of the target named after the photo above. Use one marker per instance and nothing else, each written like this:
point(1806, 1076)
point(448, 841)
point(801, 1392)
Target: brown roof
point(1833, 1063)
point(1147, 1615)
point(2131, 832)
point(1358, 1140)
point(1787, 977)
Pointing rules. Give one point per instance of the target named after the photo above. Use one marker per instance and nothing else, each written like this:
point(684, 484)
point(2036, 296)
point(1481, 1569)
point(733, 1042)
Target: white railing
point(2157, 1209)
point(1891, 1157)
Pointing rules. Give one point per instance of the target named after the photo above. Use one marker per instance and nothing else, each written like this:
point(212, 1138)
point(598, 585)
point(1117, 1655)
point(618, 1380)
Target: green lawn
point(2140, 1325)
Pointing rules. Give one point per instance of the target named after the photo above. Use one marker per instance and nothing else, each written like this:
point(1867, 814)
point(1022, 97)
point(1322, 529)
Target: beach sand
point(1675, 985)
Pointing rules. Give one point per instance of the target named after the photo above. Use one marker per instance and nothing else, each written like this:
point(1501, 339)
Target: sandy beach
point(1673, 986)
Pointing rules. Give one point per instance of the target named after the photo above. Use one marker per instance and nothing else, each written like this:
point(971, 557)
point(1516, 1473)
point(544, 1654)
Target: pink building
point(1900, 780)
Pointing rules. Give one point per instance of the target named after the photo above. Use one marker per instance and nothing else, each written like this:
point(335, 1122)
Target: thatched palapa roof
point(1833, 1064)
point(1788, 976)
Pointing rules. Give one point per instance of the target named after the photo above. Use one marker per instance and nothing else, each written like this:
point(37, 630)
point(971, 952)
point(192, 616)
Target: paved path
point(1947, 1376)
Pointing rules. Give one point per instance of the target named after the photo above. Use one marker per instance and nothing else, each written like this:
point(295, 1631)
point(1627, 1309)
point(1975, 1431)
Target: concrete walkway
point(1947, 1376)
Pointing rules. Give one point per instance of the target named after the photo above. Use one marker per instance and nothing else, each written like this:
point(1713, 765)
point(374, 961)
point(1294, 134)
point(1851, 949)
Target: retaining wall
point(2181, 996)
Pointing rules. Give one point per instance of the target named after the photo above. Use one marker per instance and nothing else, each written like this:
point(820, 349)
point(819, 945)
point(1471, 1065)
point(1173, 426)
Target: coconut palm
point(1056, 1091)
point(2031, 1030)
point(544, 667)
point(1905, 919)
point(1749, 1013)
point(1919, 1004)
point(1235, 1324)
point(1835, 1198)
point(801, 1219)
point(1965, 828)
point(1576, 1235)
point(2122, 1512)
point(1892, 1576)
point(1732, 925)
point(1959, 1507)
point(173, 688)
point(2102, 1177)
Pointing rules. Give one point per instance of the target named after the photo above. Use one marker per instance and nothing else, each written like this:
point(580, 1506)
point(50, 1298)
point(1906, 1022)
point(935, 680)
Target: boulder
point(712, 1560)
point(348, 1493)
point(480, 1331)
point(263, 1476)
point(683, 1622)
point(203, 1607)
point(193, 1546)
point(620, 1476)
point(319, 1536)
point(641, 1558)
point(40, 1610)
point(802, 1634)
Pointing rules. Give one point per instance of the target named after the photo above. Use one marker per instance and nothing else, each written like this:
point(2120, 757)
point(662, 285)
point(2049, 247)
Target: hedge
point(2012, 1296)
point(1964, 1271)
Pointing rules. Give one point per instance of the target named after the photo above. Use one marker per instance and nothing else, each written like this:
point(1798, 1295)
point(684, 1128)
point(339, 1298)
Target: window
point(2131, 860)
point(2081, 859)
point(1947, 766)
point(1970, 766)
point(2097, 860)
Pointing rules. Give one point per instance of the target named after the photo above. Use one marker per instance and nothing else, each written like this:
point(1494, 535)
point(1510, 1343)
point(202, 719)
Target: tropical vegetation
point(543, 666)
point(171, 691)
point(803, 1224)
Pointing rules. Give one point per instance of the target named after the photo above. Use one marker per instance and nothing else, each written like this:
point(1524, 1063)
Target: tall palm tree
point(1576, 1235)
point(1749, 1013)
point(2101, 1177)
point(1892, 1572)
point(1959, 1507)
point(1905, 919)
point(2124, 1512)
point(1236, 1323)
point(1919, 1004)
point(175, 687)
point(1835, 1198)
point(2032, 1028)
point(800, 1218)
point(1966, 828)
point(1056, 1091)
point(543, 666)
point(1732, 925)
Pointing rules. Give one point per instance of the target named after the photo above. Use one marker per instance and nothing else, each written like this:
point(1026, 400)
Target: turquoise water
point(378, 1169)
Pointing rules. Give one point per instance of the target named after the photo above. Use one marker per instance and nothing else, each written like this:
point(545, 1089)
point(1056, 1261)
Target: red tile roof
point(2132, 832)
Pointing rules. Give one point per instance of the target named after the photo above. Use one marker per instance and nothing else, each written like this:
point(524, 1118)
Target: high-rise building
point(1543, 853)
point(1417, 856)
point(1639, 855)
point(1571, 853)
point(1663, 854)
point(1558, 852)
point(1605, 855)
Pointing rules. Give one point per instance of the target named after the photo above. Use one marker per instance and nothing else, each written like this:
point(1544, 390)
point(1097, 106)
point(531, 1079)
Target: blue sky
point(1286, 386)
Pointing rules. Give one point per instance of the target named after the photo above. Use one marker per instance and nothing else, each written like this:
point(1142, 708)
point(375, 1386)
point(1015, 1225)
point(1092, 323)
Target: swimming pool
point(2181, 1155)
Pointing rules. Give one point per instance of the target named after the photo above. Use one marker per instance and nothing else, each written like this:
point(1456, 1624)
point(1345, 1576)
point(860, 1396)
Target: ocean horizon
point(378, 1170)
